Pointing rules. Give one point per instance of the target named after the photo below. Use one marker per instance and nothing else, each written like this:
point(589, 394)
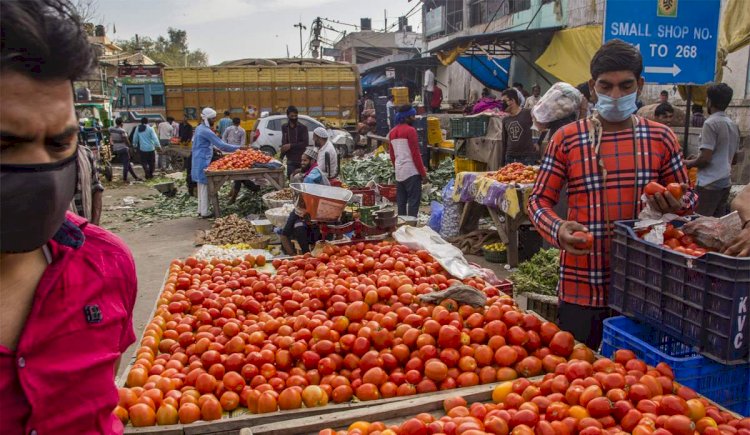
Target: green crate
point(469, 126)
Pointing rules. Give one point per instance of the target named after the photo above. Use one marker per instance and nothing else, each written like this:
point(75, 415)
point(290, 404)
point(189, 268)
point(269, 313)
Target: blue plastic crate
point(703, 301)
point(727, 385)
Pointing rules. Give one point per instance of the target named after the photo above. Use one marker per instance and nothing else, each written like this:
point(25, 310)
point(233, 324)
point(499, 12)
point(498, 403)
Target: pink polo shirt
point(60, 377)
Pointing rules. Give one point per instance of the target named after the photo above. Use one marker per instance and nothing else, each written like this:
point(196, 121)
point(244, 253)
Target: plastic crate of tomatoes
point(699, 300)
point(726, 385)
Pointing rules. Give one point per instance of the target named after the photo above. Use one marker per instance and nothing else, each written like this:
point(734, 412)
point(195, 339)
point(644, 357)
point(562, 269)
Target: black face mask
point(33, 202)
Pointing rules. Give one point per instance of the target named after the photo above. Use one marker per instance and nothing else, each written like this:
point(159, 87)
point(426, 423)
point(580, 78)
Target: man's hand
point(566, 239)
point(284, 148)
point(665, 202)
point(740, 246)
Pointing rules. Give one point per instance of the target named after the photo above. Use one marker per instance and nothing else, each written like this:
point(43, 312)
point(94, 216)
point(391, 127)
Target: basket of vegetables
point(495, 253)
point(278, 198)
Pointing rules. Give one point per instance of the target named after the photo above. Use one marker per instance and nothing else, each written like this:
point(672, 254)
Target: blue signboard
point(677, 38)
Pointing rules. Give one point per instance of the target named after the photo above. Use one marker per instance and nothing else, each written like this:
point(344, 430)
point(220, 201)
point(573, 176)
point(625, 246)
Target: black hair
point(697, 108)
point(518, 85)
point(616, 55)
point(663, 108)
point(236, 121)
point(292, 109)
point(512, 94)
point(584, 89)
point(720, 95)
point(144, 120)
point(404, 108)
point(118, 121)
point(664, 92)
point(170, 119)
point(44, 40)
point(226, 113)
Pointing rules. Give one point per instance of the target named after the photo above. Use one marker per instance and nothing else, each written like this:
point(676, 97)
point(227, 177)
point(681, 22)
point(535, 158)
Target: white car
point(266, 134)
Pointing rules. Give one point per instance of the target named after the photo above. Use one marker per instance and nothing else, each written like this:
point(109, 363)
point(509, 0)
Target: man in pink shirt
point(67, 287)
point(405, 155)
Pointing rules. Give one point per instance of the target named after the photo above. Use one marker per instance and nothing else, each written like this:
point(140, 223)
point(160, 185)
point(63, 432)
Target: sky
point(235, 29)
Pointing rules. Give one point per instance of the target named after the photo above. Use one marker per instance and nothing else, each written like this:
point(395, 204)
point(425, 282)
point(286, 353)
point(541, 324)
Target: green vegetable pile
point(442, 174)
point(539, 274)
point(357, 173)
point(184, 205)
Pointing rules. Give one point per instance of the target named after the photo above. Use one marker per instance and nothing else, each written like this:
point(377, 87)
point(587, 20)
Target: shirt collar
point(717, 114)
point(70, 233)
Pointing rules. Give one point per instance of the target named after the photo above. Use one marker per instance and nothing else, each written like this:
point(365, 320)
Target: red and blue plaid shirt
point(593, 200)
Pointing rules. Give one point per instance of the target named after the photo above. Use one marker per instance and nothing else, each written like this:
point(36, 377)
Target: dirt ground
point(155, 245)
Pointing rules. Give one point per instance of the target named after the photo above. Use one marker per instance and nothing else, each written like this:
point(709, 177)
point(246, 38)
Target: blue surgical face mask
point(616, 109)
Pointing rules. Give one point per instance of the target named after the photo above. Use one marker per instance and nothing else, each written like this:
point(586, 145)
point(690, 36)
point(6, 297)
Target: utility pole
point(385, 15)
point(317, 27)
point(301, 27)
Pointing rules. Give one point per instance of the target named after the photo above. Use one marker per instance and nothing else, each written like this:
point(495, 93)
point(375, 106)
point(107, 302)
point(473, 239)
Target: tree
point(172, 50)
point(87, 10)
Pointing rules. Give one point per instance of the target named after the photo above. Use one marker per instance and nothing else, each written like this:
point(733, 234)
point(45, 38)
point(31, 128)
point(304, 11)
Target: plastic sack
point(445, 254)
point(714, 233)
point(436, 216)
point(560, 101)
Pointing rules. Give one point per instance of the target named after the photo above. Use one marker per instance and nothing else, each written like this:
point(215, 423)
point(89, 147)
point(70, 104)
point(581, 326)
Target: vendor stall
point(264, 176)
point(505, 201)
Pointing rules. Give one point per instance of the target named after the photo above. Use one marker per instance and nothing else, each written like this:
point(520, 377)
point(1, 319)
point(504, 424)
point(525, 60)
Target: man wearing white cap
point(328, 159)
point(203, 142)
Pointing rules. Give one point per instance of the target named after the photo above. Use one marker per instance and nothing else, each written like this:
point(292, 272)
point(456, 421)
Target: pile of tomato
point(678, 241)
point(606, 397)
point(516, 173)
point(345, 324)
point(243, 159)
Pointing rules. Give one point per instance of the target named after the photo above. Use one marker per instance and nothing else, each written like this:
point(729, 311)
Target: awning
point(491, 39)
point(569, 54)
point(491, 72)
point(373, 79)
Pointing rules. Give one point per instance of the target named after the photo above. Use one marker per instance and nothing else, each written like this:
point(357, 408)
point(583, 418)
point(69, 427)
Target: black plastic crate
point(702, 302)
point(475, 126)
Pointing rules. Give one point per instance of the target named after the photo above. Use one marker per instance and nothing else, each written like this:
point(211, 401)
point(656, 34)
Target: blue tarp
point(487, 71)
point(374, 79)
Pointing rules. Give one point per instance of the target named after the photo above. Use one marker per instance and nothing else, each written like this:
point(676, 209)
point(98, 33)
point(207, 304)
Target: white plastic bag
point(560, 101)
point(447, 255)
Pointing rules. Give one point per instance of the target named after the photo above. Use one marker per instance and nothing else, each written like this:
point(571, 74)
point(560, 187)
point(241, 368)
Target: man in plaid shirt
point(605, 160)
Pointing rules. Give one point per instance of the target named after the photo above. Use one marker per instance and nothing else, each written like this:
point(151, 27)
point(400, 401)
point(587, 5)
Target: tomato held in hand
point(587, 244)
point(653, 188)
point(675, 189)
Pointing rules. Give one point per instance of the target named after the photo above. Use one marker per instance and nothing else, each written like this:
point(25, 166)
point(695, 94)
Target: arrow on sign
point(674, 69)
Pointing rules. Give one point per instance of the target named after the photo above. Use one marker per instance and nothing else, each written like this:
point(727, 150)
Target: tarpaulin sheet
point(569, 53)
point(373, 79)
point(487, 71)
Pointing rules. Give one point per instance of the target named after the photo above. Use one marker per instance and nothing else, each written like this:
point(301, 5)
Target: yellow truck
point(327, 92)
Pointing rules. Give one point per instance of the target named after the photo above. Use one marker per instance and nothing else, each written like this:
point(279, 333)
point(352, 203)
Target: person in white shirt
point(165, 132)
point(175, 128)
point(534, 98)
point(234, 134)
point(328, 159)
point(429, 87)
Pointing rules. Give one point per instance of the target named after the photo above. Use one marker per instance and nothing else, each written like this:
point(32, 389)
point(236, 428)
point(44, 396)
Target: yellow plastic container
point(400, 96)
point(468, 165)
point(448, 144)
point(436, 158)
point(434, 135)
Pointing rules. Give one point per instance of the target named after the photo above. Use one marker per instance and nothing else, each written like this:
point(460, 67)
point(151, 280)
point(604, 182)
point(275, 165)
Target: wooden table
point(271, 177)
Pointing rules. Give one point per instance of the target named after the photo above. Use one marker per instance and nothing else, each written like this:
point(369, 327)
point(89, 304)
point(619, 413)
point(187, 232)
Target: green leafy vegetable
point(357, 173)
point(539, 274)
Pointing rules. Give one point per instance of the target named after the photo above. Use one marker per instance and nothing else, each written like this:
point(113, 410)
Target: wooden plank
point(403, 408)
